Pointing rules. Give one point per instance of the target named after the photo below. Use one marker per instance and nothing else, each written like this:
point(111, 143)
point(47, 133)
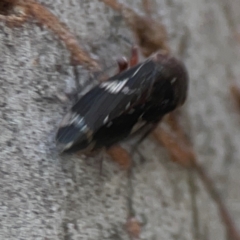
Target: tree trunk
point(48, 196)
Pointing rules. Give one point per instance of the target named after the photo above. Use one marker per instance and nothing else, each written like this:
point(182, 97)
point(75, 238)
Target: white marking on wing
point(79, 122)
point(137, 126)
point(128, 105)
point(105, 119)
point(67, 146)
point(126, 90)
point(173, 80)
point(114, 86)
point(138, 70)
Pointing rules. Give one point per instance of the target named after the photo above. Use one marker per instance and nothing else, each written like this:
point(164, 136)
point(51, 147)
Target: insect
point(133, 101)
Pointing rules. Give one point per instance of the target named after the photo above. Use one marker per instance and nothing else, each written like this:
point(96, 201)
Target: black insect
point(130, 102)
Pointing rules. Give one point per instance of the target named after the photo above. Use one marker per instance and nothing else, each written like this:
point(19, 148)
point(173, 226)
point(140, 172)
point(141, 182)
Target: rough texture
point(46, 196)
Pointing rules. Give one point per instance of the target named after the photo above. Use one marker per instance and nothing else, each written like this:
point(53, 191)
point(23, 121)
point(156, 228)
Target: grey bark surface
point(47, 196)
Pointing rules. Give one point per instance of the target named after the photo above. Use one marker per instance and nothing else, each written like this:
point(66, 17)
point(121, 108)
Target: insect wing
point(110, 99)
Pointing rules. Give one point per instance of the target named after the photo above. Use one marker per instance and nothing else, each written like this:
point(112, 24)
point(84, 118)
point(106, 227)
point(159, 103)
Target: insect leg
point(178, 150)
point(120, 156)
point(122, 64)
point(134, 57)
point(173, 138)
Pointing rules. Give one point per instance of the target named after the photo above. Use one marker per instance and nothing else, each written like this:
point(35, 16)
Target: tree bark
point(48, 196)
